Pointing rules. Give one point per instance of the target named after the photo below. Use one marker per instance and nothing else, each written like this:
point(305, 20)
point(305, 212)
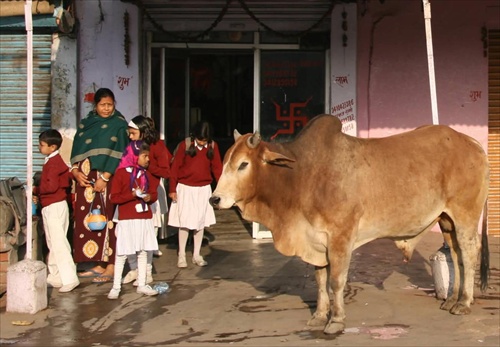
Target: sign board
point(343, 66)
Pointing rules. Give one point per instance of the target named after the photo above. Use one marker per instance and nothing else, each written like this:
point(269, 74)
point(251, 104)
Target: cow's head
point(244, 171)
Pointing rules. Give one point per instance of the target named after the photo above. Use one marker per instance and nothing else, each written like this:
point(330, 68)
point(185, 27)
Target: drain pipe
point(430, 60)
point(29, 127)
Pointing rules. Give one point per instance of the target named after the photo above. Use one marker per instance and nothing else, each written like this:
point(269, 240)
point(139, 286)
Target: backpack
point(187, 141)
point(13, 189)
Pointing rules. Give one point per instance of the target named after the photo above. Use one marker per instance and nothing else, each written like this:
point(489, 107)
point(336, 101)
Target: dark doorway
point(219, 90)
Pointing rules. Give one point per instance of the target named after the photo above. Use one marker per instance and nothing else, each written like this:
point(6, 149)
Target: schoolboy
point(53, 191)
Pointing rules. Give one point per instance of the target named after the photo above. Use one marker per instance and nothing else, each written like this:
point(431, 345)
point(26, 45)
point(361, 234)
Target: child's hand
point(173, 196)
point(146, 197)
point(35, 199)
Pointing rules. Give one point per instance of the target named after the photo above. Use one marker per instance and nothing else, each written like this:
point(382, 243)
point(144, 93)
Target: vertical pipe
point(430, 60)
point(187, 97)
point(148, 77)
point(29, 128)
point(256, 103)
point(163, 94)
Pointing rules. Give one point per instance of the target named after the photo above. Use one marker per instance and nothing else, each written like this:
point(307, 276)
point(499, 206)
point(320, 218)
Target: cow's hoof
point(317, 320)
point(334, 328)
point(448, 305)
point(460, 309)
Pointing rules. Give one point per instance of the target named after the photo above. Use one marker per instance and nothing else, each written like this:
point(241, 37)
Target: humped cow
point(326, 193)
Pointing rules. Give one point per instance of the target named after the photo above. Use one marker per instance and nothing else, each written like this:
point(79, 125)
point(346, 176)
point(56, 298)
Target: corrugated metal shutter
point(494, 130)
point(13, 110)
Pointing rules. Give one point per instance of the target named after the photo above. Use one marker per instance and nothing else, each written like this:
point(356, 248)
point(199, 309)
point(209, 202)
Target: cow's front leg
point(339, 267)
point(320, 317)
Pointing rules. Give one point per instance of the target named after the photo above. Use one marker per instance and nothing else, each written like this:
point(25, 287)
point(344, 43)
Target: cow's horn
point(236, 135)
point(254, 140)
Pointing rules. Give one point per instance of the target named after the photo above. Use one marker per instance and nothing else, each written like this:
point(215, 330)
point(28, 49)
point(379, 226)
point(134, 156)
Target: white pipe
point(163, 95)
point(430, 60)
point(29, 128)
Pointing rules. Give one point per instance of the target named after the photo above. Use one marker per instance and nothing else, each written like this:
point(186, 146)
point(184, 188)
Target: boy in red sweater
point(53, 194)
point(134, 190)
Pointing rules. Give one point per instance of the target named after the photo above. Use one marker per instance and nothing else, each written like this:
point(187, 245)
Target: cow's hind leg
point(463, 240)
point(320, 316)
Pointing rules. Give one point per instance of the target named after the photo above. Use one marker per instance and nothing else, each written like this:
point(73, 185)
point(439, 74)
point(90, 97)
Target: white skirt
point(135, 235)
point(192, 209)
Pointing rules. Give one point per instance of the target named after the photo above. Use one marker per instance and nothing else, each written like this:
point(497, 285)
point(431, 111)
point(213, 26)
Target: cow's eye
point(242, 166)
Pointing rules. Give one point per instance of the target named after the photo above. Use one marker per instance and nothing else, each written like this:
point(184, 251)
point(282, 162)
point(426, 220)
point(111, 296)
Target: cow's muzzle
point(214, 201)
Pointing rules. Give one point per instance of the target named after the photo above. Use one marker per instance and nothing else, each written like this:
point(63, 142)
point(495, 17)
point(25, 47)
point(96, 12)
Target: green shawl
point(102, 140)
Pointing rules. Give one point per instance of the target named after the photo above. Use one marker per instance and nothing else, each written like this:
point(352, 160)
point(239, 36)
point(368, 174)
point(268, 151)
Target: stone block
point(27, 287)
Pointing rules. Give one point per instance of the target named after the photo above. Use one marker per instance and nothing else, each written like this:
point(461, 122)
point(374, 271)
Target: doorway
point(216, 86)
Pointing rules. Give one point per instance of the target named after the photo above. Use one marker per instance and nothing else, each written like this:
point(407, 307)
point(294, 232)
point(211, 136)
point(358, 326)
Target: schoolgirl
point(142, 128)
point(134, 191)
point(192, 172)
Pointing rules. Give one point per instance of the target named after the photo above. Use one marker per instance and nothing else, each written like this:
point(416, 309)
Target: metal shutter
point(494, 130)
point(13, 111)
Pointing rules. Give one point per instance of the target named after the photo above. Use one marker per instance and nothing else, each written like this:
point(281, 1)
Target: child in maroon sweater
point(134, 190)
point(142, 128)
point(192, 173)
point(53, 194)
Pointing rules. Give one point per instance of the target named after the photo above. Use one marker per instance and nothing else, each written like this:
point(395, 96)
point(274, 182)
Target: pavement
point(250, 295)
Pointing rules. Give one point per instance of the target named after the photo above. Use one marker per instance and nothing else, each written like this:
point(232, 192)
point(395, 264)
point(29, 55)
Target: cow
point(325, 193)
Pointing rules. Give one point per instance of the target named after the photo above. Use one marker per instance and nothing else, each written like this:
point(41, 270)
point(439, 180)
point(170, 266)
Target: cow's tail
point(485, 253)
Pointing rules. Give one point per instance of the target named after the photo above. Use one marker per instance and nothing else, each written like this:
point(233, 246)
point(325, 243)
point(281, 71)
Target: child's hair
point(51, 137)
point(202, 131)
point(139, 146)
point(147, 129)
point(144, 147)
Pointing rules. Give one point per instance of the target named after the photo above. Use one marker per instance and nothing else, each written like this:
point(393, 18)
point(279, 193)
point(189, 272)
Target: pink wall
point(393, 78)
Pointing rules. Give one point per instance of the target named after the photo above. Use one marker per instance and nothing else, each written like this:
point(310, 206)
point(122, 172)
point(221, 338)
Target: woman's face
point(105, 107)
point(134, 134)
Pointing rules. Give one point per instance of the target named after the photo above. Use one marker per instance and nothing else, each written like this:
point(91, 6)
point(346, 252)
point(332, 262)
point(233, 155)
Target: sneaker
point(181, 261)
point(146, 290)
point(69, 287)
point(157, 253)
point(54, 284)
point(113, 294)
point(130, 277)
point(199, 261)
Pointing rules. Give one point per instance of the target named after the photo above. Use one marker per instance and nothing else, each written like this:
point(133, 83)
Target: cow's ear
point(275, 158)
point(236, 135)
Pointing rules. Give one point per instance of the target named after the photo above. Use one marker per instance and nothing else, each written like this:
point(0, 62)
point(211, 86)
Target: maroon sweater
point(55, 181)
point(159, 161)
point(122, 195)
point(194, 171)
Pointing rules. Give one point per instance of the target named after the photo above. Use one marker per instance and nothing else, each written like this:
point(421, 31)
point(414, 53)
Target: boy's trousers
point(60, 264)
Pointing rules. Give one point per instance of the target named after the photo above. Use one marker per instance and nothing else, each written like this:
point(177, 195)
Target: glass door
point(291, 92)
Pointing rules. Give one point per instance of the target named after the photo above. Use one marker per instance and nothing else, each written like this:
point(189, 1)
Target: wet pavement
point(250, 295)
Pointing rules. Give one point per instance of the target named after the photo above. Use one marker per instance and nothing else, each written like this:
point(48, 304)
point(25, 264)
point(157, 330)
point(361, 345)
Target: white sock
point(183, 238)
point(119, 265)
point(142, 263)
point(198, 239)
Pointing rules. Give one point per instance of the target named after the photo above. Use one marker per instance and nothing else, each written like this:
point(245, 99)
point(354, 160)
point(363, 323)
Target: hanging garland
point(159, 27)
point(126, 41)
point(221, 15)
point(297, 35)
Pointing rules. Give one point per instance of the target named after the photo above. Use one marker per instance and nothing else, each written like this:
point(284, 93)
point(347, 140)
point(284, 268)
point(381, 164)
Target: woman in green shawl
point(97, 148)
